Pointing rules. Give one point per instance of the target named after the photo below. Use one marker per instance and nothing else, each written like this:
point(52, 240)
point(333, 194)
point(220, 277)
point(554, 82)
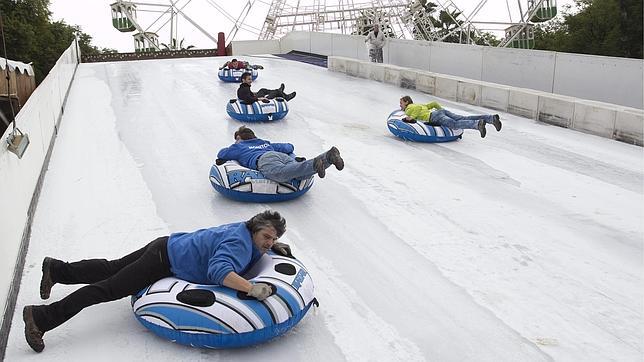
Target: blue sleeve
point(227, 153)
point(283, 147)
point(231, 256)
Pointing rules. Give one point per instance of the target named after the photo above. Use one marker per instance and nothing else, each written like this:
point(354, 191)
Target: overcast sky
point(94, 17)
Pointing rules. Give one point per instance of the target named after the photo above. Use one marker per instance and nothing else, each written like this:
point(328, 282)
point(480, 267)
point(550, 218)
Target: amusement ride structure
point(436, 20)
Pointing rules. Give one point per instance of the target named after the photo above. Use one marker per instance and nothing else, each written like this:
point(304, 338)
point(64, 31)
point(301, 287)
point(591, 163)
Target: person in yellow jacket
point(434, 115)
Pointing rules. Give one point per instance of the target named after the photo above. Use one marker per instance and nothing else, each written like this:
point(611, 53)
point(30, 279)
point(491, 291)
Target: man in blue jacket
point(274, 160)
point(218, 255)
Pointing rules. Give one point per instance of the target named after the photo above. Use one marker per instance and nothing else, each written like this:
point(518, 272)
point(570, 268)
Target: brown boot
point(46, 282)
point(496, 121)
point(33, 335)
point(334, 158)
point(482, 128)
point(318, 166)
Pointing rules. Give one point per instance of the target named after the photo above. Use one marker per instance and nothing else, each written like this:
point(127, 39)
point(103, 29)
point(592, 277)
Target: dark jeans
point(270, 93)
point(108, 281)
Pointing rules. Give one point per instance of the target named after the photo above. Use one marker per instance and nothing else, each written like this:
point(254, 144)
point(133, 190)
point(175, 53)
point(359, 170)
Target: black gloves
point(220, 162)
point(300, 159)
point(282, 249)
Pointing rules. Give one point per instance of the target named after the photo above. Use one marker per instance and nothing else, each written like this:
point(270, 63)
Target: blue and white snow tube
point(234, 75)
point(243, 184)
point(213, 316)
point(260, 111)
point(420, 132)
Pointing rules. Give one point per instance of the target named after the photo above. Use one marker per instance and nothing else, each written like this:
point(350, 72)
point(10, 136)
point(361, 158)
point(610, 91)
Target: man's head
point(247, 78)
point(405, 101)
point(244, 133)
point(376, 28)
point(265, 228)
point(233, 63)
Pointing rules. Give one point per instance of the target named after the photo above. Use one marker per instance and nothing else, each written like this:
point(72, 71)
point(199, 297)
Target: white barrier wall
point(603, 119)
point(19, 178)
point(604, 79)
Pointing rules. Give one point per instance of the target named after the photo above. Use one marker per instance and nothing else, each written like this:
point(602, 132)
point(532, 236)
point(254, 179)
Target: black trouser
point(270, 93)
point(108, 280)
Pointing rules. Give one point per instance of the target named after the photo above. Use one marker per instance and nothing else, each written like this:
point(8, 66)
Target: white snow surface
point(523, 246)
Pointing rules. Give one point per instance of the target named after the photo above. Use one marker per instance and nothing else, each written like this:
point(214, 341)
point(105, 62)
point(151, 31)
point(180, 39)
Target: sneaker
point(334, 158)
point(33, 335)
point(496, 121)
point(481, 128)
point(290, 96)
point(46, 282)
point(318, 166)
point(282, 87)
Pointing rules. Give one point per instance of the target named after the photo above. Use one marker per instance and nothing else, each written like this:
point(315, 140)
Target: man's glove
point(409, 120)
point(300, 159)
point(260, 291)
point(220, 162)
point(282, 249)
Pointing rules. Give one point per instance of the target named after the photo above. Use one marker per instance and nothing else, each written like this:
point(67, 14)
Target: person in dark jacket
point(218, 255)
point(275, 160)
point(246, 95)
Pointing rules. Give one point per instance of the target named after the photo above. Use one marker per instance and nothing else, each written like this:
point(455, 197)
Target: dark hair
point(245, 75)
point(407, 99)
point(245, 133)
point(266, 219)
point(234, 60)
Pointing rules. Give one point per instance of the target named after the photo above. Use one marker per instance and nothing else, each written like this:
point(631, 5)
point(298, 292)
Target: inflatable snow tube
point(260, 111)
point(213, 316)
point(420, 132)
point(243, 184)
point(234, 75)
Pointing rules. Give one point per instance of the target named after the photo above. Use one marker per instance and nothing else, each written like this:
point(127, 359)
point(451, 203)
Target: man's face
point(265, 238)
point(247, 80)
point(233, 64)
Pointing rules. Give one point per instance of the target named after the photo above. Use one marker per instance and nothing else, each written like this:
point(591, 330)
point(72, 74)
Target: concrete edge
point(607, 120)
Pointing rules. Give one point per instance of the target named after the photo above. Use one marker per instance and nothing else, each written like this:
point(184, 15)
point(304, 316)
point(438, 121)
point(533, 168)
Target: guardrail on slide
point(21, 179)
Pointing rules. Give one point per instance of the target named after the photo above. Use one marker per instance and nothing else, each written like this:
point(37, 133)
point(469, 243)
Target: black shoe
point(46, 282)
point(334, 158)
point(318, 165)
point(290, 96)
point(33, 335)
point(482, 128)
point(282, 87)
point(496, 121)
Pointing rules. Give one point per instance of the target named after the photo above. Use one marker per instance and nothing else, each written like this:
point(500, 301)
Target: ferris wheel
point(405, 19)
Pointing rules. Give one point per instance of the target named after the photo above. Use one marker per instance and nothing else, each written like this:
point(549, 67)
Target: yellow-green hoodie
point(421, 112)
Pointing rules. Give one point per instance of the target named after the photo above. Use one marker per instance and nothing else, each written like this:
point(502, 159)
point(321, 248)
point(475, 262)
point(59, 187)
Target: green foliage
point(173, 45)
point(365, 23)
point(599, 27)
point(32, 37)
point(429, 26)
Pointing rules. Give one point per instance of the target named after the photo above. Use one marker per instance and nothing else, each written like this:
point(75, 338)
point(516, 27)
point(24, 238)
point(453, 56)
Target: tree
point(32, 37)
point(368, 18)
point(599, 27)
point(173, 45)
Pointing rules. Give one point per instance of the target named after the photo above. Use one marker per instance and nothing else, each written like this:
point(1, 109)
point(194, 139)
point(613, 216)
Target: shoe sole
point(45, 265)
point(483, 131)
point(338, 162)
point(26, 313)
point(497, 125)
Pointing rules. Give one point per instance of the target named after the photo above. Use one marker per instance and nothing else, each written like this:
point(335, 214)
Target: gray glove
point(282, 249)
point(260, 291)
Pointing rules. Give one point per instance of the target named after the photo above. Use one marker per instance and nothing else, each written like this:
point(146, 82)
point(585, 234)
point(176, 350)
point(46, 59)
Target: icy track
point(523, 246)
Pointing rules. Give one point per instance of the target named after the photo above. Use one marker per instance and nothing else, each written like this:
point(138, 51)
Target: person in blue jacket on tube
point(217, 255)
point(275, 160)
